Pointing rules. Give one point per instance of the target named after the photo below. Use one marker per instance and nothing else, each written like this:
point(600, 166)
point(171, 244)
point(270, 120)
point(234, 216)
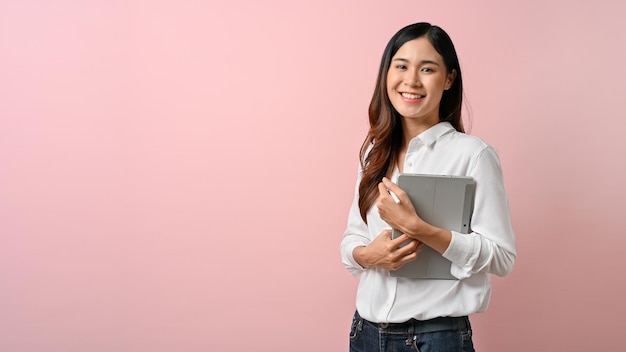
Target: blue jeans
point(436, 335)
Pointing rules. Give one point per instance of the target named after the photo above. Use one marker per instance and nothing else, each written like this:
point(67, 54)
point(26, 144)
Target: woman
point(416, 127)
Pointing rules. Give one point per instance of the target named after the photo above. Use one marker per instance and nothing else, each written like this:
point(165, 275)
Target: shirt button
point(410, 164)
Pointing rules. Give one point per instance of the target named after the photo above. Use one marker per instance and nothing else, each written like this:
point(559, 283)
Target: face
point(416, 81)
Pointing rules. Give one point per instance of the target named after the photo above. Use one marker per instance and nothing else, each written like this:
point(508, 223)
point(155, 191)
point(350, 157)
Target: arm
point(387, 253)
point(401, 215)
point(491, 245)
point(361, 251)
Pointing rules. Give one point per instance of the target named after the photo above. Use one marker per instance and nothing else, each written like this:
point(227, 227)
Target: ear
point(450, 80)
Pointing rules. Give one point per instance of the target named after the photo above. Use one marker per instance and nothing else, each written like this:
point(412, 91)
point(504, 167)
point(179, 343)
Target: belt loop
point(411, 339)
point(468, 325)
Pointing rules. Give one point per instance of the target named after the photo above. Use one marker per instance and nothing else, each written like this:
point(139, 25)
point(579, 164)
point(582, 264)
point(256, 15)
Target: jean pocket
point(466, 340)
point(466, 335)
point(356, 328)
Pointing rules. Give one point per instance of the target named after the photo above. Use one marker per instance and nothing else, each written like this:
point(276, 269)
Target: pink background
point(176, 175)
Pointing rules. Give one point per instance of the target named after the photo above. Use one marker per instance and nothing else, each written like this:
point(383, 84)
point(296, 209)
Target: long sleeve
point(488, 249)
point(490, 246)
point(356, 234)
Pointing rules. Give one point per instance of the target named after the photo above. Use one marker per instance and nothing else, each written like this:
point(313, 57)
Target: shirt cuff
point(348, 259)
point(459, 252)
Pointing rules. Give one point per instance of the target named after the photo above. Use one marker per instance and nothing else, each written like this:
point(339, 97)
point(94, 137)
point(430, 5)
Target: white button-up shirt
point(488, 249)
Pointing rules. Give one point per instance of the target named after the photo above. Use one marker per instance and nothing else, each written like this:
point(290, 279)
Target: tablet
point(444, 201)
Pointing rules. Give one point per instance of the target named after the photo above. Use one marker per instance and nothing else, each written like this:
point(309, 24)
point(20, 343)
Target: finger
point(383, 192)
point(393, 190)
point(391, 186)
point(408, 247)
point(406, 250)
point(386, 233)
point(407, 258)
point(401, 239)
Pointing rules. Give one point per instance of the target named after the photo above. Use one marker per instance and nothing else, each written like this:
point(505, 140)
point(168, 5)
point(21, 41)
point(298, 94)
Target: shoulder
point(473, 150)
point(464, 142)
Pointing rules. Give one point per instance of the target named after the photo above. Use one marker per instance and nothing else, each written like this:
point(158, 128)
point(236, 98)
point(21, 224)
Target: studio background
point(176, 175)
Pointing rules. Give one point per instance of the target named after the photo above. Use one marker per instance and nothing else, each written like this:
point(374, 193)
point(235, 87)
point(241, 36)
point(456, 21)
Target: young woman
point(416, 127)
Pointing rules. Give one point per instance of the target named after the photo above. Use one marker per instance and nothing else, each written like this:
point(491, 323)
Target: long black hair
point(380, 149)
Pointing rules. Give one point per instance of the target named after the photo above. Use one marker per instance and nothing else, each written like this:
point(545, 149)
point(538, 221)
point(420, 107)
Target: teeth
point(411, 96)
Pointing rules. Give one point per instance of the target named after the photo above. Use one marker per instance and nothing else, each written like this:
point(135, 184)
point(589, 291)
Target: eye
point(401, 67)
point(428, 70)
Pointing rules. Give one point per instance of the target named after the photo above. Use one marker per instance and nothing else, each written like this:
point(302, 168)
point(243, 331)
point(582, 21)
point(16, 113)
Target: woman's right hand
point(387, 253)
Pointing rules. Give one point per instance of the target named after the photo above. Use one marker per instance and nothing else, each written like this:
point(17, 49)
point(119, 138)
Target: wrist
point(433, 236)
point(358, 253)
point(417, 229)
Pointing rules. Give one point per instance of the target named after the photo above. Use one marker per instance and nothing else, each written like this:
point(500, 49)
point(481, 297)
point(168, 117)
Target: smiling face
point(416, 81)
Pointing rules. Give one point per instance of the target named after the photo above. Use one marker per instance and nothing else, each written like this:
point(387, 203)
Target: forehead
point(419, 49)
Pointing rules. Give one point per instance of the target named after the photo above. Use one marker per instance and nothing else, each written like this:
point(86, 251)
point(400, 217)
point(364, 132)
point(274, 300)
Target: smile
point(411, 96)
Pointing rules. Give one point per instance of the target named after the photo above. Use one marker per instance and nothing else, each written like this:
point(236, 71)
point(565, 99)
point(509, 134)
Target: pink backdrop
point(176, 175)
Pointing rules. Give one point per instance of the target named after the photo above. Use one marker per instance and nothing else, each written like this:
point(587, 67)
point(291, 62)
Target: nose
point(412, 79)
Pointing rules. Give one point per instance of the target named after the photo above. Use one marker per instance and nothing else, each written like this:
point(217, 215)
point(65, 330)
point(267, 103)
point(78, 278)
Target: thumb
point(391, 186)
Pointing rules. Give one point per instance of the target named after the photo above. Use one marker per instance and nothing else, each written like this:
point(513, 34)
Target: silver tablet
point(443, 201)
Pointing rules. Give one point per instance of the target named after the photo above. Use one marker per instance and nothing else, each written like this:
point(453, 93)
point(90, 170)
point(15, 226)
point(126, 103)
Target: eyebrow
point(421, 62)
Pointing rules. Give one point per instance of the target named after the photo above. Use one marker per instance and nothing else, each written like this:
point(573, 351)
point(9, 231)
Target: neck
point(412, 127)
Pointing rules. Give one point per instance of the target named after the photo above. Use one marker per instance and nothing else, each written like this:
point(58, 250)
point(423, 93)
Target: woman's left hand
point(400, 216)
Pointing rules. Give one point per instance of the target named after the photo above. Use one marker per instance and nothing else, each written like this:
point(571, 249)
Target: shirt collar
point(430, 136)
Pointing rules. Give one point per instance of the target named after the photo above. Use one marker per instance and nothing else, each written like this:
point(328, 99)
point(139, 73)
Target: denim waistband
point(415, 326)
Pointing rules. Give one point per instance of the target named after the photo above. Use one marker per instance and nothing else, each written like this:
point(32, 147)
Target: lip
point(411, 97)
